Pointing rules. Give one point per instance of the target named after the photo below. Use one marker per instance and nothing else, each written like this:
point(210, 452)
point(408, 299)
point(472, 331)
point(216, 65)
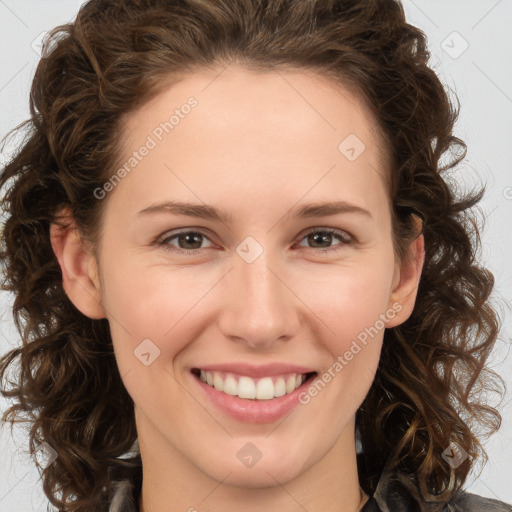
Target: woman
point(253, 367)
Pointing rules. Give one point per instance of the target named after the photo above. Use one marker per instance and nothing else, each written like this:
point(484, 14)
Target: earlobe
point(405, 291)
point(78, 266)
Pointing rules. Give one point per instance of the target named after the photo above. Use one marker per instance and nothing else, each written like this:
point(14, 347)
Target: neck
point(172, 482)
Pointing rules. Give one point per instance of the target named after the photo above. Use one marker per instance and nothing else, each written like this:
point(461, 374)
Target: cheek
point(354, 318)
point(347, 299)
point(170, 306)
point(147, 304)
point(351, 309)
point(148, 312)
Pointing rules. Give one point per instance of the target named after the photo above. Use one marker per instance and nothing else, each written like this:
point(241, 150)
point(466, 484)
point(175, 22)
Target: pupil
point(191, 236)
point(325, 236)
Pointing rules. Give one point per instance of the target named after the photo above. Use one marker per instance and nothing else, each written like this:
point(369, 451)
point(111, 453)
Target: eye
point(190, 241)
point(325, 236)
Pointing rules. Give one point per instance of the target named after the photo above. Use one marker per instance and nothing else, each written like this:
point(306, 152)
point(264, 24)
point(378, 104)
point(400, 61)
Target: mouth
point(264, 388)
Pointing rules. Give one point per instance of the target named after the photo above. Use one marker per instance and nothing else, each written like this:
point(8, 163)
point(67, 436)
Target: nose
point(260, 307)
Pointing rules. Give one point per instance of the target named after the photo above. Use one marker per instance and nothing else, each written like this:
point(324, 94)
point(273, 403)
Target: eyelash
point(345, 238)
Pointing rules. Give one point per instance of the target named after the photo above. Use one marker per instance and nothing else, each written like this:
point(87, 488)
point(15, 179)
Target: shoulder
point(466, 501)
point(395, 493)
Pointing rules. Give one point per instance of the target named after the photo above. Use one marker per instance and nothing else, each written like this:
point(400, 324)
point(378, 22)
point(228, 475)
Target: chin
point(264, 473)
point(263, 477)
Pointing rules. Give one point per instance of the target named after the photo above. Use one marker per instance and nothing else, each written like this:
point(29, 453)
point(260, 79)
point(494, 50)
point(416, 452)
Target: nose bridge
point(259, 308)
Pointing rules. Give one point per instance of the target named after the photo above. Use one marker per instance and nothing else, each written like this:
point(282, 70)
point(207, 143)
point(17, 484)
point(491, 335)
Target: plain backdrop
point(471, 46)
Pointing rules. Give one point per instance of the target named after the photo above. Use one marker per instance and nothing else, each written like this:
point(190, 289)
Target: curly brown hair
point(114, 57)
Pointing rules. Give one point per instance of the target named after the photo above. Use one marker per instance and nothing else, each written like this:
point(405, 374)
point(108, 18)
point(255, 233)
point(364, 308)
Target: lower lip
point(253, 411)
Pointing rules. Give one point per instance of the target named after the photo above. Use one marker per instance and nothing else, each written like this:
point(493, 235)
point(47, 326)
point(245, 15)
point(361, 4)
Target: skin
point(259, 146)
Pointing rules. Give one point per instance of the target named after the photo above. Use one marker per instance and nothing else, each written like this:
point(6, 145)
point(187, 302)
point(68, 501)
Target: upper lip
point(255, 371)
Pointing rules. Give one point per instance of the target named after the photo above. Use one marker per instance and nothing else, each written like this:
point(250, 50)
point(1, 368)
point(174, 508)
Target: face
point(268, 294)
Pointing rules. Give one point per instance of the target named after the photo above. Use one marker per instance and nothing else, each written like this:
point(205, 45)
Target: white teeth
point(248, 388)
point(265, 389)
point(218, 383)
point(230, 386)
point(290, 384)
point(280, 387)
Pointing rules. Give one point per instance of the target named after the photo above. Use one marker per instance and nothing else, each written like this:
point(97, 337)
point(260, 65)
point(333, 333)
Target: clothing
point(390, 496)
point(124, 498)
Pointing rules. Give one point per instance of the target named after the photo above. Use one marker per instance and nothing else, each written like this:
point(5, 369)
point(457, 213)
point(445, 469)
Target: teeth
point(218, 383)
point(265, 388)
point(230, 386)
point(280, 387)
point(246, 388)
point(290, 384)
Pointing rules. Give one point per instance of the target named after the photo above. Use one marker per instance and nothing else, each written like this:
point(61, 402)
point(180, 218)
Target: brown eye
point(187, 241)
point(323, 238)
point(318, 240)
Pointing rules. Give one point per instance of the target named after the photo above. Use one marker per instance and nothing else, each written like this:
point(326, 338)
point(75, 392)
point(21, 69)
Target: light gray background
point(482, 78)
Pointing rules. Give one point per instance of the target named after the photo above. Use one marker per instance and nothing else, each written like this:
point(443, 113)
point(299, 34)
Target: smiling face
point(257, 291)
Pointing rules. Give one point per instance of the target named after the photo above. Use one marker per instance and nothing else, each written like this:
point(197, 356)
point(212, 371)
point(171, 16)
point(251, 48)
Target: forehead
point(239, 97)
point(289, 130)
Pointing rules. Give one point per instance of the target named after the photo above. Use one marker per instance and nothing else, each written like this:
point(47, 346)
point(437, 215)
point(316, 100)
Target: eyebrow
point(209, 212)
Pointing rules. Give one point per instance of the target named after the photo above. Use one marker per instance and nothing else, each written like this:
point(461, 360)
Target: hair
point(115, 56)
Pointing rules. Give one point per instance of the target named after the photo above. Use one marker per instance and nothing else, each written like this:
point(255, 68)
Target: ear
point(78, 265)
point(406, 281)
